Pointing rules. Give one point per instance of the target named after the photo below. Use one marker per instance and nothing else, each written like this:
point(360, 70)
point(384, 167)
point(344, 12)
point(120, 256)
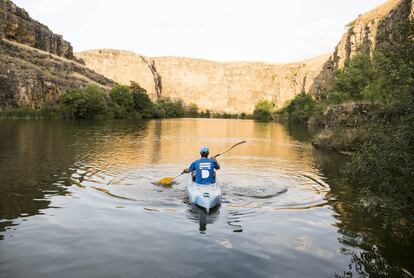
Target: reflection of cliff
point(34, 157)
point(38, 157)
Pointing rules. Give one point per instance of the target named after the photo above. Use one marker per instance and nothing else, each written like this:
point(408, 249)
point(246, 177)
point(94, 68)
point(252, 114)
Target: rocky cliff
point(36, 65)
point(16, 25)
point(226, 87)
point(236, 87)
point(366, 33)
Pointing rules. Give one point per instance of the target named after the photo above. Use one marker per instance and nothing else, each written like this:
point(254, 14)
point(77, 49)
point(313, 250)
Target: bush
point(142, 102)
point(89, 102)
point(350, 81)
point(191, 110)
point(172, 108)
point(301, 109)
point(263, 111)
point(123, 101)
point(205, 114)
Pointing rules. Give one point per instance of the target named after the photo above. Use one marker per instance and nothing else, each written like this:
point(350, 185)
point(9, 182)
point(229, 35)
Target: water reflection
point(200, 216)
point(282, 200)
point(363, 236)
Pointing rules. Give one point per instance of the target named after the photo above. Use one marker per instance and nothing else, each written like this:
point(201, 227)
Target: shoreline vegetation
point(368, 110)
point(121, 102)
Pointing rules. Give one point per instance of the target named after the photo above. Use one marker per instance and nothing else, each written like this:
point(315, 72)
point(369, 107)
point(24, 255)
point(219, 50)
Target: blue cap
point(204, 149)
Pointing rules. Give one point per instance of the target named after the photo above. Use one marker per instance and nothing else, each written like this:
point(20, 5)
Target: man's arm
point(189, 169)
point(216, 164)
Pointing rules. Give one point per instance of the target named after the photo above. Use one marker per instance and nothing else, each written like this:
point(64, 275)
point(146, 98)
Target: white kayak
point(205, 196)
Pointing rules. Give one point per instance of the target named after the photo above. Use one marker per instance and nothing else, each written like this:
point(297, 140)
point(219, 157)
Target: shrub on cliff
point(350, 81)
point(263, 111)
point(89, 102)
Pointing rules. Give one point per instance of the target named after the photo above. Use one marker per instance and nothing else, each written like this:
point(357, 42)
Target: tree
point(263, 111)
point(89, 102)
point(192, 110)
point(123, 100)
point(350, 81)
point(142, 102)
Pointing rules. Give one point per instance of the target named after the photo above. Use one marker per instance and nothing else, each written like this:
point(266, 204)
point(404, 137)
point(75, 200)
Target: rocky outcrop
point(366, 33)
point(36, 65)
point(30, 77)
point(226, 87)
point(16, 25)
point(344, 129)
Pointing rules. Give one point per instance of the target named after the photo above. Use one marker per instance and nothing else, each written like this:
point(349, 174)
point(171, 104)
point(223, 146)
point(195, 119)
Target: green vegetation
point(301, 110)
point(263, 111)
point(172, 108)
point(350, 82)
point(302, 107)
point(383, 163)
point(121, 102)
point(90, 102)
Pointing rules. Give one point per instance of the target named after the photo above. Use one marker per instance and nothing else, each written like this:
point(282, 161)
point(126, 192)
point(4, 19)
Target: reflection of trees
point(300, 132)
point(369, 263)
point(380, 255)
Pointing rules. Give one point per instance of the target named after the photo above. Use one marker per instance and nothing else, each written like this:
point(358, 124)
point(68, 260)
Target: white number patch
point(205, 174)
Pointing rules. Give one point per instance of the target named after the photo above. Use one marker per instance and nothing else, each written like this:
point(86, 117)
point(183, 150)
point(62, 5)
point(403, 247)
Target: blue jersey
point(204, 168)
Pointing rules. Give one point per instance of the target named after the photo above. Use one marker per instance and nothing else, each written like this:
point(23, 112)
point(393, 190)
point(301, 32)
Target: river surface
point(78, 199)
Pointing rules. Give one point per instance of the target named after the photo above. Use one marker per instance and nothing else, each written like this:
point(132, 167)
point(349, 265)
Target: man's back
point(204, 168)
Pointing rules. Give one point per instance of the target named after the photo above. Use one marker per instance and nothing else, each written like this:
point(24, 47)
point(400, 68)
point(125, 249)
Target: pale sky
point(221, 30)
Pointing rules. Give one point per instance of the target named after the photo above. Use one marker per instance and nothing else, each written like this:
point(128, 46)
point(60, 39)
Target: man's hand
point(185, 171)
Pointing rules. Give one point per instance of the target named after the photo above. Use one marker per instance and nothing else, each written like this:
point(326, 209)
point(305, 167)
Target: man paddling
point(204, 168)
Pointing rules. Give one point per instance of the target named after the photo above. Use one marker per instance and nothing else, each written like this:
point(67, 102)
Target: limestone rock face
point(16, 25)
point(366, 33)
point(36, 65)
point(30, 77)
point(226, 87)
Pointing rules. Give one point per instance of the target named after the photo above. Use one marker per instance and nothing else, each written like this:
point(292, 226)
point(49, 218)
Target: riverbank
point(121, 102)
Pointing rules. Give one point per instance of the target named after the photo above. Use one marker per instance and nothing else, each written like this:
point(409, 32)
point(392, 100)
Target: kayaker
point(204, 168)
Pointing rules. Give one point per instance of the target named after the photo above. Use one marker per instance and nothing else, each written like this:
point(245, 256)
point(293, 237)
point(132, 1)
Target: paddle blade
point(166, 181)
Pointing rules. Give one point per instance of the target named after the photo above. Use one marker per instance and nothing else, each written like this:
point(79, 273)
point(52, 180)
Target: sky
point(220, 30)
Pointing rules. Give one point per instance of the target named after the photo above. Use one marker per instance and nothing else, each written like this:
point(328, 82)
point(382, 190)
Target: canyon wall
point(226, 87)
point(16, 25)
point(36, 65)
point(237, 86)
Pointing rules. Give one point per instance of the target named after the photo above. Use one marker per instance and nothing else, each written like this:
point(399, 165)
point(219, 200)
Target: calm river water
point(78, 200)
